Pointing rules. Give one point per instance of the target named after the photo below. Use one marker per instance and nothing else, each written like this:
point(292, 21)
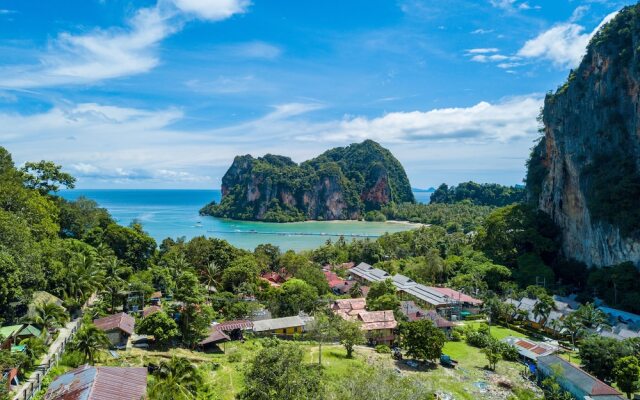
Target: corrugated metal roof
point(278, 323)
point(579, 378)
point(215, 336)
point(122, 321)
point(99, 383)
point(242, 324)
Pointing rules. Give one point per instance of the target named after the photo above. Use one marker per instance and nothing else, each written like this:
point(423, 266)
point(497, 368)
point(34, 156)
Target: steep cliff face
point(341, 183)
point(585, 172)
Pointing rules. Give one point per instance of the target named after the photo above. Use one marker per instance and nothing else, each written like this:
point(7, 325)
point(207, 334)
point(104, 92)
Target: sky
point(164, 93)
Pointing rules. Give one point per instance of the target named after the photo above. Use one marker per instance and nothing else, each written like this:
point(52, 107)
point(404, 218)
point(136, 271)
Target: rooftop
point(579, 378)
point(278, 323)
point(530, 349)
point(122, 321)
point(99, 383)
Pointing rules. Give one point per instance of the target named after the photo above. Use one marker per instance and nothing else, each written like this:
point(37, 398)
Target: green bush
point(456, 336)
point(375, 215)
point(234, 356)
point(383, 349)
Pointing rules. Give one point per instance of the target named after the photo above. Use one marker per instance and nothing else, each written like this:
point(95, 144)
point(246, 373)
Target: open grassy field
point(470, 380)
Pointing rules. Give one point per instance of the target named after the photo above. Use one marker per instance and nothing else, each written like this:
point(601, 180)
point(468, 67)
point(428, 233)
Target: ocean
point(174, 213)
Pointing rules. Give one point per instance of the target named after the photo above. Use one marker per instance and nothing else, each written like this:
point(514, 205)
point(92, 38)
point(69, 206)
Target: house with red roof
point(379, 326)
point(118, 327)
point(338, 285)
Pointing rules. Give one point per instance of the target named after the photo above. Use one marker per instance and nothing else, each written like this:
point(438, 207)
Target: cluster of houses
point(621, 325)
point(449, 303)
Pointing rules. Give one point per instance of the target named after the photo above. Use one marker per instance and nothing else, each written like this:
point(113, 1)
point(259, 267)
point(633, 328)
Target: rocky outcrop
point(585, 172)
point(340, 184)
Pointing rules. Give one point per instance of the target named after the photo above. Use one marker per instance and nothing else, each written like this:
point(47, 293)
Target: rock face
point(585, 171)
point(342, 183)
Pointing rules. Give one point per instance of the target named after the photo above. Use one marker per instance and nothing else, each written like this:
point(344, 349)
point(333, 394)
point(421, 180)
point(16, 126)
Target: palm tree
point(114, 282)
point(49, 315)
point(542, 309)
point(90, 341)
point(591, 317)
point(176, 379)
point(35, 347)
point(210, 275)
point(573, 325)
point(84, 276)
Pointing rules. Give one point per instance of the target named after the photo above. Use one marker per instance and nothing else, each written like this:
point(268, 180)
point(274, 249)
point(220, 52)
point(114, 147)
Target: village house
point(574, 380)
point(338, 285)
point(562, 306)
point(530, 350)
point(12, 335)
point(379, 326)
point(414, 313)
point(150, 310)
point(118, 327)
point(275, 279)
point(623, 324)
point(286, 326)
point(235, 328)
point(100, 383)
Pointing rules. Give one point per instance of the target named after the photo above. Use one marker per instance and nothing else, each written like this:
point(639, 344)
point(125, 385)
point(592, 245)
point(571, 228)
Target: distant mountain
point(342, 183)
point(481, 194)
point(585, 171)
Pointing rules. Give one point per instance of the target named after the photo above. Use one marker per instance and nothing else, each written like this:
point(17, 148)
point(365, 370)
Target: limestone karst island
point(256, 200)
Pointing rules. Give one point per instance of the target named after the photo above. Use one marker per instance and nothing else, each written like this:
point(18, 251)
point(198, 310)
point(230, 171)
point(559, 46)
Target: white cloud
point(100, 54)
point(482, 50)
point(564, 44)
point(253, 50)
point(481, 31)
point(484, 58)
point(213, 10)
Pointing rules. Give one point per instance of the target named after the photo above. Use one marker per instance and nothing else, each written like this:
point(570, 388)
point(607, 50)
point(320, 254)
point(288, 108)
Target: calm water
point(174, 213)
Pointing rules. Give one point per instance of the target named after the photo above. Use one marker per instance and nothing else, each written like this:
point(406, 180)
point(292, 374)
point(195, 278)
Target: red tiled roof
point(374, 320)
point(122, 321)
point(156, 295)
point(99, 383)
point(456, 295)
point(241, 324)
point(150, 310)
point(526, 345)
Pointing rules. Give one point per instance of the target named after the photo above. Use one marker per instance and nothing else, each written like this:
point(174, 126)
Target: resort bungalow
point(338, 285)
point(150, 310)
point(235, 329)
point(215, 336)
point(574, 380)
point(366, 274)
point(530, 350)
point(348, 307)
point(279, 326)
point(415, 313)
point(12, 335)
point(118, 327)
point(100, 383)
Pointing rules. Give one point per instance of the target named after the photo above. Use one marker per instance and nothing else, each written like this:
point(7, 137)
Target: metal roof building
point(530, 349)
point(576, 381)
point(99, 383)
point(275, 324)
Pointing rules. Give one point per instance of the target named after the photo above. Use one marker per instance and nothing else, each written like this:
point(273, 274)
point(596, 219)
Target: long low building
point(432, 296)
point(279, 326)
point(99, 383)
point(574, 380)
point(530, 350)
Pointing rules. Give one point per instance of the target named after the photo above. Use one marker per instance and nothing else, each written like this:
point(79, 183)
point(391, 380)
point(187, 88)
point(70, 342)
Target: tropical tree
point(573, 326)
point(49, 315)
point(422, 340)
point(355, 291)
point(542, 309)
point(493, 351)
point(84, 276)
point(162, 327)
point(210, 275)
point(350, 335)
point(627, 374)
point(89, 341)
point(591, 317)
point(176, 379)
point(34, 349)
point(114, 281)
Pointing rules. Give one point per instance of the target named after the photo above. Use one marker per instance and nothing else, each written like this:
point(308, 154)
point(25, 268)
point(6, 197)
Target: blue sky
point(163, 94)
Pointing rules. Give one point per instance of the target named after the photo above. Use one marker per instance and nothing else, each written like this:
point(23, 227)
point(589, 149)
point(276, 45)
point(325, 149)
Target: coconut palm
point(356, 290)
point(542, 309)
point(114, 282)
point(591, 317)
point(49, 315)
point(573, 326)
point(34, 349)
point(211, 275)
point(176, 379)
point(84, 276)
point(89, 341)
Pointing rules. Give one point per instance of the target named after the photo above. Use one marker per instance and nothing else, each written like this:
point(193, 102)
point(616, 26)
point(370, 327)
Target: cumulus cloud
point(100, 54)
point(117, 145)
point(564, 44)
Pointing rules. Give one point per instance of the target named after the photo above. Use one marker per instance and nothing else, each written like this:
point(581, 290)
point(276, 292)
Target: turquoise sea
point(174, 213)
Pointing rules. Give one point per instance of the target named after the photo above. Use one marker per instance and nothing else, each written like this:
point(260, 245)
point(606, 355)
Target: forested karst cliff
point(342, 183)
point(585, 171)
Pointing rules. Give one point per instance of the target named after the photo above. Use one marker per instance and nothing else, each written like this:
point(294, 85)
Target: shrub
point(375, 215)
point(509, 352)
point(383, 349)
point(478, 339)
point(456, 336)
point(234, 356)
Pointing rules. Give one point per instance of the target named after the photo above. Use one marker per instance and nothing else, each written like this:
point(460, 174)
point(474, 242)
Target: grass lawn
point(497, 331)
